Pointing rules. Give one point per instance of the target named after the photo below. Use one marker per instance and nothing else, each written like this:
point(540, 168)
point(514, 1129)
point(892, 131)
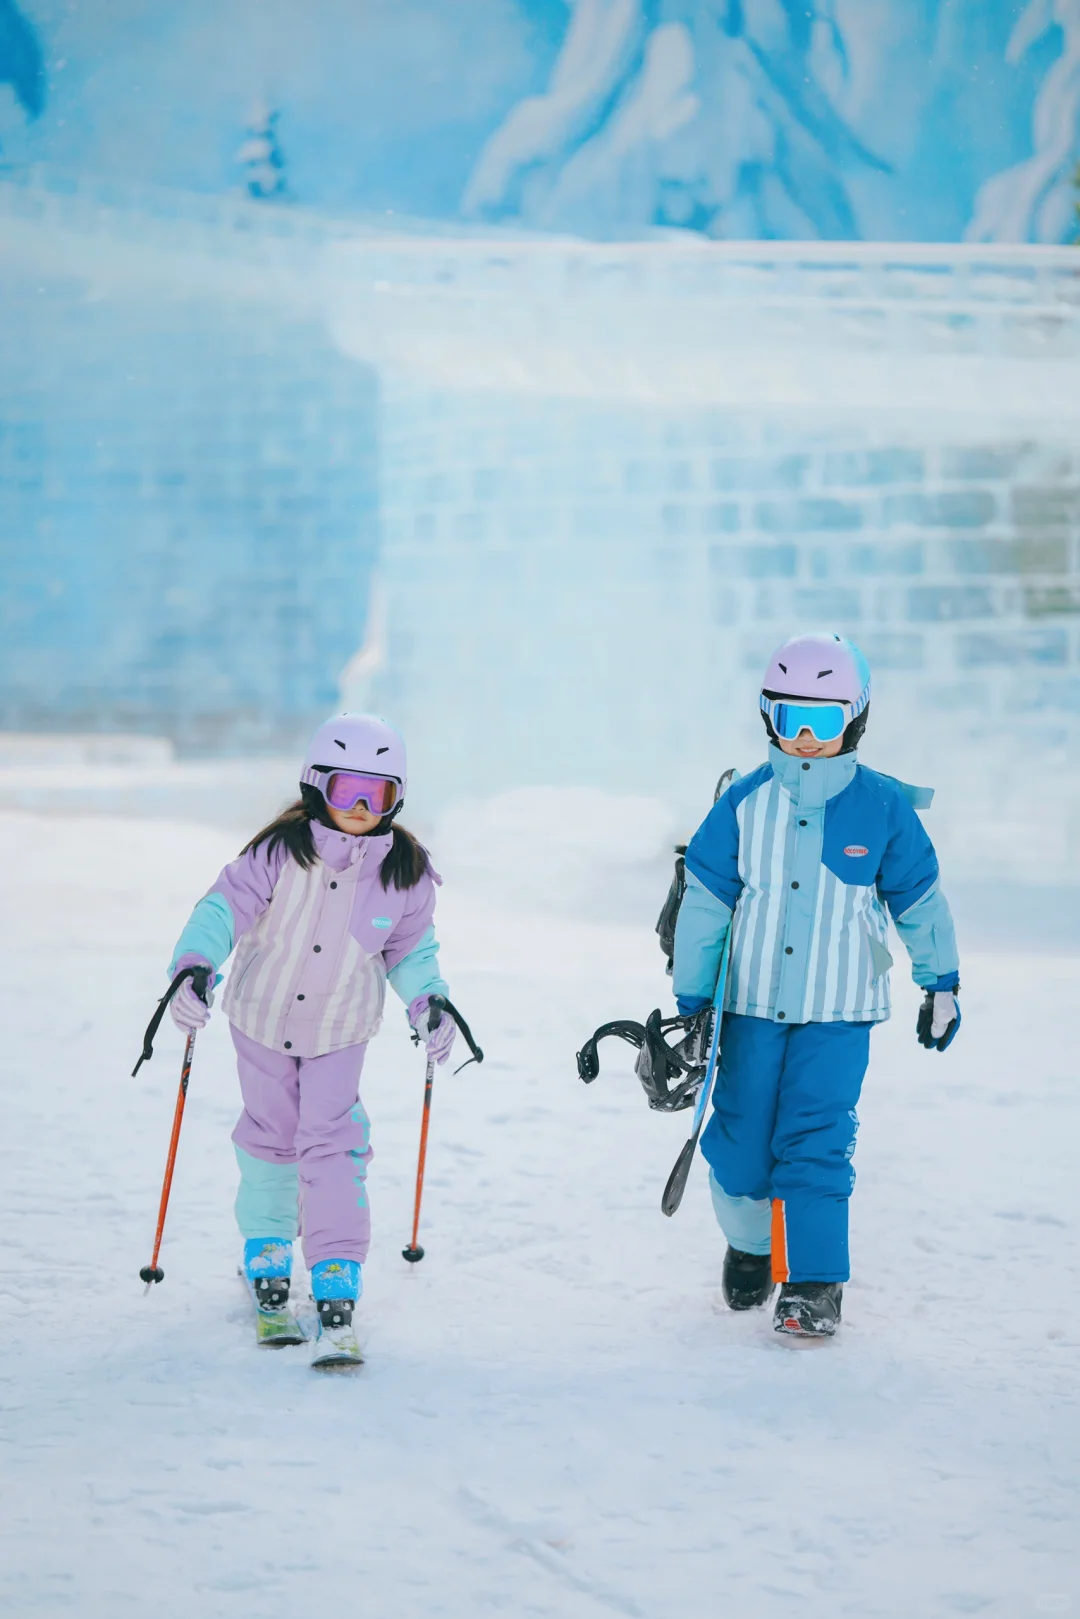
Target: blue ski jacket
point(804, 860)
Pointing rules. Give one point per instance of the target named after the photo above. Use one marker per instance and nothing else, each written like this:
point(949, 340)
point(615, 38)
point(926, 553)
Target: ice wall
point(603, 481)
point(655, 464)
point(603, 587)
point(188, 504)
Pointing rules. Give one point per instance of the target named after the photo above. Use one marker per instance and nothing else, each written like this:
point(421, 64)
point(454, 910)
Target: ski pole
point(199, 977)
point(414, 1253)
point(438, 1008)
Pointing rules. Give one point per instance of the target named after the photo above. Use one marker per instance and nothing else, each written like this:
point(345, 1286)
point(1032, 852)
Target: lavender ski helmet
point(355, 742)
point(821, 668)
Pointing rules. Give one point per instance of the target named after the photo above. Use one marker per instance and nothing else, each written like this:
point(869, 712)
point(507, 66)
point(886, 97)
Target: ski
point(274, 1329)
point(277, 1329)
point(335, 1349)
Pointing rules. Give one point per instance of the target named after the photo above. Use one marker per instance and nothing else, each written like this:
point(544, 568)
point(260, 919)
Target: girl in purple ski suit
point(321, 908)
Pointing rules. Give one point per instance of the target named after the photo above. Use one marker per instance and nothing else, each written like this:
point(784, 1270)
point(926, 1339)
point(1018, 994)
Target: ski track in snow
point(557, 1416)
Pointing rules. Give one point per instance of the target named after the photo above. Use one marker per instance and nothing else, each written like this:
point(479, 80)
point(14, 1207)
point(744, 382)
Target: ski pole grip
point(200, 977)
point(437, 1005)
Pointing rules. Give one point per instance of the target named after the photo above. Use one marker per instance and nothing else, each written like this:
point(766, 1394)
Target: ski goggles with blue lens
point(790, 716)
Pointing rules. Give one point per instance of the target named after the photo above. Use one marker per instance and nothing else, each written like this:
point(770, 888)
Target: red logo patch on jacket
point(856, 849)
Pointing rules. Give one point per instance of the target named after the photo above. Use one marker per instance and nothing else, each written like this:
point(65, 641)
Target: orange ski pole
point(438, 1008)
point(414, 1253)
point(199, 976)
point(153, 1272)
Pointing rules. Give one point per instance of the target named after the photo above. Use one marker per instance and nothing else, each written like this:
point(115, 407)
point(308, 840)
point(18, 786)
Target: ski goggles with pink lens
point(789, 716)
point(344, 789)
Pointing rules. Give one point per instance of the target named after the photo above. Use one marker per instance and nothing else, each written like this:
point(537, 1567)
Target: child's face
point(807, 746)
point(356, 821)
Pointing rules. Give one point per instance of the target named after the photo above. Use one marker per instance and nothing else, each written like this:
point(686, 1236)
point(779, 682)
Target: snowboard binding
point(670, 1075)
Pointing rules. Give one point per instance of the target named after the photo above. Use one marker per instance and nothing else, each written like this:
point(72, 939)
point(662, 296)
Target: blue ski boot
point(267, 1271)
point(335, 1287)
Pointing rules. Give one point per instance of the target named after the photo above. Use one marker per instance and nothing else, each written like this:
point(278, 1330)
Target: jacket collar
point(338, 850)
point(812, 782)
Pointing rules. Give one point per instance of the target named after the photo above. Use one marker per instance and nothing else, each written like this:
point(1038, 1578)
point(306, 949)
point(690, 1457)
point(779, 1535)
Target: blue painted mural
point(756, 118)
point(874, 119)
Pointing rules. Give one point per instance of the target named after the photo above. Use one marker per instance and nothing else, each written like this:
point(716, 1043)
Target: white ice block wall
point(656, 464)
point(610, 478)
point(187, 474)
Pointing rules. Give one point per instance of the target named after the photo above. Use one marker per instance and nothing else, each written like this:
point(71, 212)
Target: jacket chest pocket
point(374, 918)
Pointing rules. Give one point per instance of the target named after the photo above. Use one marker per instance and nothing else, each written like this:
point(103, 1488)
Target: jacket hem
point(277, 1044)
point(836, 1017)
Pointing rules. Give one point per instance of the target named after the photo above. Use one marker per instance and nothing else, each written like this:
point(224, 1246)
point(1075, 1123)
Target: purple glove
point(187, 1011)
point(437, 1040)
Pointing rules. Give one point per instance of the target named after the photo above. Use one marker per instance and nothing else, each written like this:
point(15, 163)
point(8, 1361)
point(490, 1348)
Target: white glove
point(939, 1019)
point(944, 1012)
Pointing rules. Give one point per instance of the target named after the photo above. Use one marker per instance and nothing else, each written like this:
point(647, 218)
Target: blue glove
point(939, 1014)
point(690, 1005)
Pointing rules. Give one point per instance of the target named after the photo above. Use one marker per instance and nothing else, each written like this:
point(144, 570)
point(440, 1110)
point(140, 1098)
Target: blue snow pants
point(780, 1141)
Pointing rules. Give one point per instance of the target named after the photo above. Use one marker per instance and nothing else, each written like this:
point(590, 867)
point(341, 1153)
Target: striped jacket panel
point(314, 949)
point(300, 981)
point(808, 857)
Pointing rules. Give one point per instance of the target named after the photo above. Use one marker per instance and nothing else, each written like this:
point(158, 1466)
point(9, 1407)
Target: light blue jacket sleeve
point(700, 933)
point(929, 938)
point(418, 972)
point(210, 932)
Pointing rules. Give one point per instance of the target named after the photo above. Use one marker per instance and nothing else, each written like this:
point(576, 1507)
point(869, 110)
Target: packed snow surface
point(557, 1416)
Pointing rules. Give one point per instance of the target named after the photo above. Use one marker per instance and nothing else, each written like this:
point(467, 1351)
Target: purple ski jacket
point(314, 949)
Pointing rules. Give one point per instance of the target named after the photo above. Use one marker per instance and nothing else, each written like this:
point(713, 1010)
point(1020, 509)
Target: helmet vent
point(821, 673)
point(340, 745)
point(382, 750)
point(784, 667)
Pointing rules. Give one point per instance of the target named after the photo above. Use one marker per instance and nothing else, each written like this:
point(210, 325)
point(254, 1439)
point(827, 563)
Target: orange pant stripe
point(779, 1241)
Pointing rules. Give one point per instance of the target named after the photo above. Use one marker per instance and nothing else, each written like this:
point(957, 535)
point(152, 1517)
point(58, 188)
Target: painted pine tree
point(260, 156)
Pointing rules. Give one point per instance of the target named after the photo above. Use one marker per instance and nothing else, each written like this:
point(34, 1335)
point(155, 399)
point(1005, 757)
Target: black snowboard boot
point(808, 1309)
point(747, 1279)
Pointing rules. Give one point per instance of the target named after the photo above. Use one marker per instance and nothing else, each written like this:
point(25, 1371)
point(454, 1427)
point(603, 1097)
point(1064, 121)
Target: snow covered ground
point(557, 1416)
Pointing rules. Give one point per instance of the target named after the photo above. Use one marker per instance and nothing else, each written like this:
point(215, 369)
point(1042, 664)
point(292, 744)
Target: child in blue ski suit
point(799, 862)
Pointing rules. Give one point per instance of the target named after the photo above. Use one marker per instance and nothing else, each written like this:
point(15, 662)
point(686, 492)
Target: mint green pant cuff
point(267, 1198)
point(745, 1221)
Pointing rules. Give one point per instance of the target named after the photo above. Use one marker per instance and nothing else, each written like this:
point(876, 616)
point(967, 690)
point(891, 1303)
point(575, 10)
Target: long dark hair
point(404, 864)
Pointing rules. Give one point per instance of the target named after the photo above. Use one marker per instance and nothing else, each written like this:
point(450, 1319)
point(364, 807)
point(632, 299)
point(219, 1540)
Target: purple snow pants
point(306, 1111)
